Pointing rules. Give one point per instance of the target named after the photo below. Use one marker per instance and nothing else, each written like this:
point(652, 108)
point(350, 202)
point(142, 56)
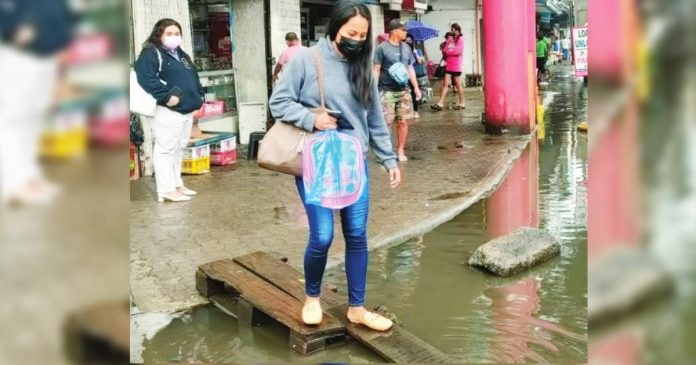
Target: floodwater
point(537, 316)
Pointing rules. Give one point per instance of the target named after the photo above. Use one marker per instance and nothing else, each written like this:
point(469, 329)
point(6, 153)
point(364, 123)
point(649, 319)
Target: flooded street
point(536, 316)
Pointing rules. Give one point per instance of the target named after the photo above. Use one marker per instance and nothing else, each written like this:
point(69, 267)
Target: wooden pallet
point(265, 287)
point(254, 301)
point(98, 334)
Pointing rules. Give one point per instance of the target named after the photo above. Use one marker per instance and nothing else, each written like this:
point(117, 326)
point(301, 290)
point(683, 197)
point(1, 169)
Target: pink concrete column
point(515, 204)
point(506, 66)
point(531, 62)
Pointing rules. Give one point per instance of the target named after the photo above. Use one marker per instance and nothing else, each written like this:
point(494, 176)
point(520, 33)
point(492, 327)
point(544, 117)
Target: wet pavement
point(243, 208)
point(58, 260)
point(537, 316)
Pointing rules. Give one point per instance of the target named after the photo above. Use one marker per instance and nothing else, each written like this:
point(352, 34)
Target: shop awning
point(552, 6)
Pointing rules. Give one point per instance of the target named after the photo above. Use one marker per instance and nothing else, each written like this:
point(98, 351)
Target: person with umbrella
point(419, 68)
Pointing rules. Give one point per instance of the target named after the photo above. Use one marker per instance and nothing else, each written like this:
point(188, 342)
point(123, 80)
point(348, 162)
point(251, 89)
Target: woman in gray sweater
point(350, 90)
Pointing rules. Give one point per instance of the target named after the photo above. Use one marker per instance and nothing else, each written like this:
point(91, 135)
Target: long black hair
point(413, 43)
point(360, 69)
point(155, 38)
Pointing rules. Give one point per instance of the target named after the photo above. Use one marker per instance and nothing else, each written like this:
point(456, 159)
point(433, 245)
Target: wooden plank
point(98, 333)
point(285, 277)
point(267, 298)
point(206, 286)
point(396, 345)
point(241, 309)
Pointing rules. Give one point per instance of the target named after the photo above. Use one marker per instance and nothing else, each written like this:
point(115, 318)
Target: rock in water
point(515, 252)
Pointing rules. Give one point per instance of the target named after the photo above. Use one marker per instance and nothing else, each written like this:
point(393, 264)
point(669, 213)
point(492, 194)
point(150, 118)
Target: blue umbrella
point(420, 31)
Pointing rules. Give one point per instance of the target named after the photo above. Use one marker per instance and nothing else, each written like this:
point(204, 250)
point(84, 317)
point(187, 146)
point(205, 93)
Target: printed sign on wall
point(580, 50)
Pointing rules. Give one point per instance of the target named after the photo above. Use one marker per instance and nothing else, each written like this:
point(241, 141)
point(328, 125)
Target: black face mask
point(350, 47)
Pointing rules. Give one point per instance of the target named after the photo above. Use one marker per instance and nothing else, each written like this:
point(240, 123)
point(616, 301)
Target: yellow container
point(541, 128)
point(196, 167)
point(64, 144)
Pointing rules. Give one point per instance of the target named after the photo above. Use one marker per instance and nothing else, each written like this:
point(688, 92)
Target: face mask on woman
point(172, 41)
point(350, 47)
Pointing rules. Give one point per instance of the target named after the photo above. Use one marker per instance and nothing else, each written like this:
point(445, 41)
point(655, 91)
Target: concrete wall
point(250, 51)
point(147, 12)
point(446, 12)
point(580, 13)
point(285, 17)
point(377, 23)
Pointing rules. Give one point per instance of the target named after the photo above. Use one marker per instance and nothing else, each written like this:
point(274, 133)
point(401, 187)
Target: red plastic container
point(210, 109)
point(218, 158)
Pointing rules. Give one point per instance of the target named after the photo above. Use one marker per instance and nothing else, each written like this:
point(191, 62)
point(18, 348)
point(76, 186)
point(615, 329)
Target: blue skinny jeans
point(321, 234)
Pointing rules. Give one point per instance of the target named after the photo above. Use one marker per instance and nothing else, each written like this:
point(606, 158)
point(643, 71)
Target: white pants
point(27, 91)
point(171, 131)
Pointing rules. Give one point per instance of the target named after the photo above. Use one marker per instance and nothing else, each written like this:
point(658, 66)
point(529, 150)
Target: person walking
point(167, 73)
point(294, 45)
point(453, 51)
point(419, 68)
point(547, 69)
point(565, 46)
point(351, 91)
point(541, 53)
point(395, 96)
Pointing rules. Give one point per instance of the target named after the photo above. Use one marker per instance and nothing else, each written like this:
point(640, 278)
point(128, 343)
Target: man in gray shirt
point(395, 96)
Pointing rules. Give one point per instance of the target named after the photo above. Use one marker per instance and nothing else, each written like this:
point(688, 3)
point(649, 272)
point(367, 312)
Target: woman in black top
point(167, 73)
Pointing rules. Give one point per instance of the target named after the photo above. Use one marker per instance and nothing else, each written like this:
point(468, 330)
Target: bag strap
point(401, 49)
point(320, 76)
point(159, 58)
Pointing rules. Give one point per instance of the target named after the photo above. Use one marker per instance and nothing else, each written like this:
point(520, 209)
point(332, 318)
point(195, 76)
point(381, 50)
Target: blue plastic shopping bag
point(333, 170)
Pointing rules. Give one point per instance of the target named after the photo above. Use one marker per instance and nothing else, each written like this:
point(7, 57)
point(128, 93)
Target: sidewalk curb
point(487, 187)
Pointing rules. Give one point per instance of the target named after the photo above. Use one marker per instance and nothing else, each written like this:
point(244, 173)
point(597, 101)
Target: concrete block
point(515, 252)
point(624, 280)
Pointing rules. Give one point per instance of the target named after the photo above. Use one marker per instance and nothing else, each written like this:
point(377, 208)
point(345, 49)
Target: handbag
point(440, 69)
point(281, 147)
point(141, 102)
point(398, 70)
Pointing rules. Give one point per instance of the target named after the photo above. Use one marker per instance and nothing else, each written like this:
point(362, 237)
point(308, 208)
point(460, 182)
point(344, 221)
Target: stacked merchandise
point(109, 127)
point(224, 152)
point(134, 165)
point(65, 136)
point(196, 160)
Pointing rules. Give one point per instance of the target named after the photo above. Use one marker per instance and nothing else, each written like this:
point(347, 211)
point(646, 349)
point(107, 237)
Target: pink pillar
point(506, 66)
point(531, 62)
point(531, 28)
point(614, 186)
point(515, 204)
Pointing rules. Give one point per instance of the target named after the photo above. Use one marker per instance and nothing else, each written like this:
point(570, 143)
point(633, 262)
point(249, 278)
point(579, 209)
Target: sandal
point(459, 107)
point(436, 107)
point(374, 321)
point(402, 158)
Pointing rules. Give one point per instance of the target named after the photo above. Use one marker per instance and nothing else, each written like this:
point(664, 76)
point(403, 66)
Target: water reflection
point(537, 316)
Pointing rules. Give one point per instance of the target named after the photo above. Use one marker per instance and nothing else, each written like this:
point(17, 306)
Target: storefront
point(213, 56)
point(314, 19)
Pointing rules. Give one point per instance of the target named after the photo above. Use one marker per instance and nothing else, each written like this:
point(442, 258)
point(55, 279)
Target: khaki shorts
point(397, 105)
